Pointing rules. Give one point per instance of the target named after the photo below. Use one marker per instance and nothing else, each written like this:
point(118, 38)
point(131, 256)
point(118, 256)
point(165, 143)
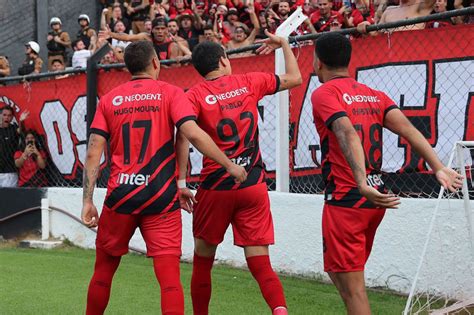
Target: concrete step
point(40, 244)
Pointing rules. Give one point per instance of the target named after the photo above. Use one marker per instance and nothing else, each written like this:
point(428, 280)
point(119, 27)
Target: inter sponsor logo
point(212, 99)
point(119, 99)
point(375, 180)
point(133, 179)
point(349, 99)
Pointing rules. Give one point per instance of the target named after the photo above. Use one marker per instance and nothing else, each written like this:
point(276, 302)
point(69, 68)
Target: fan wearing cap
point(165, 47)
point(87, 34)
point(58, 42)
point(241, 36)
point(33, 63)
point(190, 28)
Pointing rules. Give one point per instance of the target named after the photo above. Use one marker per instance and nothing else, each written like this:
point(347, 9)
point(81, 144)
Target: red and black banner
point(429, 73)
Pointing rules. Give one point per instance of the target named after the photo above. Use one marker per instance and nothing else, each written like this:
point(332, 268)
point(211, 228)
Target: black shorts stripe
point(137, 200)
point(185, 119)
point(123, 190)
point(163, 201)
point(100, 132)
point(334, 116)
point(349, 200)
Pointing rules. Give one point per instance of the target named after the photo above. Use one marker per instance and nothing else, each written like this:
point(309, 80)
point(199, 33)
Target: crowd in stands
point(176, 26)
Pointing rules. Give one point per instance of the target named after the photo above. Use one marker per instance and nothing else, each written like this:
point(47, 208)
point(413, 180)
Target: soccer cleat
point(280, 310)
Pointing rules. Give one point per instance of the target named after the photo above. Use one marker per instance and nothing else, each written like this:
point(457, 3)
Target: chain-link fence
point(428, 73)
point(50, 148)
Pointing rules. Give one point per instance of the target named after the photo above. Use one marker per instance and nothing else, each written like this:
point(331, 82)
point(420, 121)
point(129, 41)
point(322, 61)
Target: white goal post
point(424, 299)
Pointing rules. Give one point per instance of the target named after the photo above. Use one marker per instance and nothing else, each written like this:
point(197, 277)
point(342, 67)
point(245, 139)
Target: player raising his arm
point(138, 118)
point(226, 108)
point(350, 117)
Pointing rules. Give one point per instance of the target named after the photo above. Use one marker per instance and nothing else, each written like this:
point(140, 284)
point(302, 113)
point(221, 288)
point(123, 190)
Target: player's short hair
point(334, 50)
point(57, 60)
point(138, 56)
point(206, 57)
point(6, 107)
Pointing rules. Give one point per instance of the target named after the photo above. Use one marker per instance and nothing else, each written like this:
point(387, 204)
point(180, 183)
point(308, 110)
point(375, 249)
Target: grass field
point(55, 282)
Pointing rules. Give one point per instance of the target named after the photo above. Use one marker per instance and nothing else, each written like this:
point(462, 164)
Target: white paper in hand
point(291, 23)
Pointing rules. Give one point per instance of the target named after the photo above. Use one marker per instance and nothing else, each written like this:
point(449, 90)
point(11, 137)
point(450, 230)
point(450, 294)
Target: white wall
point(298, 249)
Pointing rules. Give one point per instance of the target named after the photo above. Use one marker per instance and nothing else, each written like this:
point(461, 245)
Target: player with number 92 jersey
point(227, 110)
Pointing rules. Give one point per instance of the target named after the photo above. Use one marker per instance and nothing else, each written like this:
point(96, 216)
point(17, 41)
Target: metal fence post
point(92, 72)
point(282, 131)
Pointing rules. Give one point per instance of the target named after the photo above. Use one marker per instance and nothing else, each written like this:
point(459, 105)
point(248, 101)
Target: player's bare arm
point(207, 147)
point(255, 22)
point(96, 146)
point(107, 33)
point(397, 122)
point(186, 196)
point(292, 76)
point(351, 147)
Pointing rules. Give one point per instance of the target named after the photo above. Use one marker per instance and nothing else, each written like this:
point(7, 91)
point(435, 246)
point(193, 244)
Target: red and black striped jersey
point(138, 118)
point(366, 108)
point(226, 108)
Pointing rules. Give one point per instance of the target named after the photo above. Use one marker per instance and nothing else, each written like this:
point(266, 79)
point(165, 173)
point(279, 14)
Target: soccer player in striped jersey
point(139, 118)
point(226, 108)
point(350, 118)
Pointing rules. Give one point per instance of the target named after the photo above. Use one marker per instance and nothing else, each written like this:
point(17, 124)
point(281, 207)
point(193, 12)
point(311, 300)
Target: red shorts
point(161, 232)
point(247, 209)
point(348, 235)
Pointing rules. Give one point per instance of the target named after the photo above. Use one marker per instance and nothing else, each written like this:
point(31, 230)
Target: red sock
point(201, 284)
point(167, 272)
point(99, 287)
point(268, 281)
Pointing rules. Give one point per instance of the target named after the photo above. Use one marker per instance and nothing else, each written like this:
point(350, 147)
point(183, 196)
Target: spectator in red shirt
point(30, 161)
point(362, 13)
point(440, 7)
point(325, 16)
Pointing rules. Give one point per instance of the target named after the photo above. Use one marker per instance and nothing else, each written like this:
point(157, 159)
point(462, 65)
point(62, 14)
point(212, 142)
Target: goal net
point(444, 281)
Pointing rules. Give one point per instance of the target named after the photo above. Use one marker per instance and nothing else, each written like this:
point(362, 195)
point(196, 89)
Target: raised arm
point(95, 149)
point(292, 75)
point(255, 22)
point(103, 20)
point(353, 152)
point(125, 37)
point(397, 122)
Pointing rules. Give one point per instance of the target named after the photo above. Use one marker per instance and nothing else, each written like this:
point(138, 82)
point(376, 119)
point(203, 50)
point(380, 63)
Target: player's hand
point(449, 179)
point(270, 44)
point(186, 199)
point(89, 214)
point(105, 33)
point(380, 200)
point(238, 172)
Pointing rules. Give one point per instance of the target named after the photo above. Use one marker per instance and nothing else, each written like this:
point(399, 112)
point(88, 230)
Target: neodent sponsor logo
point(119, 99)
point(133, 179)
point(349, 99)
point(212, 99)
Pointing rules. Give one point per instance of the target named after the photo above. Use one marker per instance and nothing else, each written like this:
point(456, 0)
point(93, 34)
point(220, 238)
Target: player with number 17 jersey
point(139, 119)
point(227, 110)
